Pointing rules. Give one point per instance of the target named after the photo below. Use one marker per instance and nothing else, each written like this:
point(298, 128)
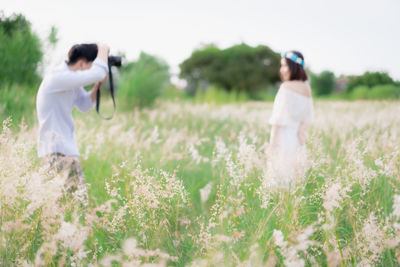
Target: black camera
point(114, 61)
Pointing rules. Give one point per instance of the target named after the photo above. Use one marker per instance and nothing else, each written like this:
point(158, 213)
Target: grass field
point(187, 184)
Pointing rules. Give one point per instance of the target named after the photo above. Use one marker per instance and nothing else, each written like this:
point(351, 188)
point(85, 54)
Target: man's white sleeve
point(68, 80)
point(83, 100)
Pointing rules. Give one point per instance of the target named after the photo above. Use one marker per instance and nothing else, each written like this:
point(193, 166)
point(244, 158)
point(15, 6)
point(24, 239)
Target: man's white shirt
point(60, 91)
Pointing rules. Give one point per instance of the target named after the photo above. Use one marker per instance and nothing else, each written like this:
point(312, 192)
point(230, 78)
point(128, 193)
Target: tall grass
point(18, 102)
point(188, 184)
point(220, 96)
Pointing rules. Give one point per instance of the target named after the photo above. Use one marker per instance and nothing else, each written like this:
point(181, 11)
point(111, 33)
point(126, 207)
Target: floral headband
point(293, 57)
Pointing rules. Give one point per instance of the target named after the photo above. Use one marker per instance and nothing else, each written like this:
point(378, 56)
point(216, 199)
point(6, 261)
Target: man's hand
point(103, 81)
point(103, 51)
point(97, 86)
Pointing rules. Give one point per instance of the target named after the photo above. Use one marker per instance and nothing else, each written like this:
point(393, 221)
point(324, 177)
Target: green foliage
point(385, 92)
point(267, 93)
point(173, 93)
point(52, 38)
point(240, 67)
point(369, 79)
point(20, 49)
point(142, 81)
point(323, 83)
point(17, 102)
point(360, 92)
point(219, 96)
point(377, 92)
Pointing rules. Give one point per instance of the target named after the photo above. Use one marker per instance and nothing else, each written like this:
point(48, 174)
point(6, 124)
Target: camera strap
point(110, 78)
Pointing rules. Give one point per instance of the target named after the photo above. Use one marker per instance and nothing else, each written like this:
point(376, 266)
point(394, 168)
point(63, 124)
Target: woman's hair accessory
point(293, 57)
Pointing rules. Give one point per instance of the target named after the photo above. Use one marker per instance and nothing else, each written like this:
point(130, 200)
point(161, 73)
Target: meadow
point(188, 184)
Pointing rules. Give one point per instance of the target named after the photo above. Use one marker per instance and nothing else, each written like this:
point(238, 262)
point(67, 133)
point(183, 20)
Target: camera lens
point(115, 61)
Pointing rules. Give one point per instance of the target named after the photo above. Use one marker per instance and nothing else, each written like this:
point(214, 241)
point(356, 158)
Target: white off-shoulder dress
point(290, 109)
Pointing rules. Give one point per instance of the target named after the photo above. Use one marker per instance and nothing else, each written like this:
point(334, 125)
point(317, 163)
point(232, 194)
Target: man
point(60, 91)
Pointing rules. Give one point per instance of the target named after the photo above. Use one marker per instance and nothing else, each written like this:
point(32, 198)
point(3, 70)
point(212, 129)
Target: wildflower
point(205, 192)
point(332, 197)
point(129, 246)
point(396, 206)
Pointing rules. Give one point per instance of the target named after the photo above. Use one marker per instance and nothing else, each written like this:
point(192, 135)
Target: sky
point(344, 36)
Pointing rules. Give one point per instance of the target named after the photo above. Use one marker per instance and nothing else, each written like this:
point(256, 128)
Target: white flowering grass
point(189, 185)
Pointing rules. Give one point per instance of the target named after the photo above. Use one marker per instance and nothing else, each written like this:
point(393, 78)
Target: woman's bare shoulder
point(300, 87)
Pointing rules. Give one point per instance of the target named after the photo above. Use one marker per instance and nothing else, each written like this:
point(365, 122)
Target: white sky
point(344, 36)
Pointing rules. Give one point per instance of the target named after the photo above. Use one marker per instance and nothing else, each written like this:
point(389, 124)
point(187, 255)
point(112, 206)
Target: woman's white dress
point(290, 109)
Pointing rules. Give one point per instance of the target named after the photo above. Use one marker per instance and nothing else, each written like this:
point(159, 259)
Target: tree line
point(241, 69)
point(248, 69)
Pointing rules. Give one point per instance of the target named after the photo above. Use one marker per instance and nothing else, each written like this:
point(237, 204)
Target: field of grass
point(187, 184)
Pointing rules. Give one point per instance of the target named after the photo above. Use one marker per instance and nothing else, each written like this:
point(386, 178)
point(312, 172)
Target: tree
point(20, 51)
point(142, 81)
point(369, 79)
point(240, 67)
point(323, 83)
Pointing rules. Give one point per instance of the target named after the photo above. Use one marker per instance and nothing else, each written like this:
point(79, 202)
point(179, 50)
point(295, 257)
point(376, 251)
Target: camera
point(114, 61)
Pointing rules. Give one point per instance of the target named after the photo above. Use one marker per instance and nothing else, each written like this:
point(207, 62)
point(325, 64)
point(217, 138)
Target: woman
point(292, 114)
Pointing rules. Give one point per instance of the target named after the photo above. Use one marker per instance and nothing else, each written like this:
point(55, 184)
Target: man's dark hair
point(87, 52)
point(297, 71)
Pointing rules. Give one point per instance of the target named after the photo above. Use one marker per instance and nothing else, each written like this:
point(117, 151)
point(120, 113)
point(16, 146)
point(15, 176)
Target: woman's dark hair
point(87, 52)
point(297, 71)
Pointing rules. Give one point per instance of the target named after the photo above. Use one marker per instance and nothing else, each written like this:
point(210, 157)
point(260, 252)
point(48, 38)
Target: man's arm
point(93, 92)
point(96, 87)
point(67, 80)
point(103, 51)
point(85, 100)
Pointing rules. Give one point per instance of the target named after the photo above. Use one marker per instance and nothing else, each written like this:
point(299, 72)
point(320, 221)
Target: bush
point(142, 82)
point(377, 92)
point(323, 83)
point(217, 95)
point(18, 102)
point(20, 51)
point(384, 92)
point(267, 93)
point(369, 79)
point(360, 92)
point(173, 93)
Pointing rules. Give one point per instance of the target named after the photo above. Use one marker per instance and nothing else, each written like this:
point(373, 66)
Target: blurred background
point(208, 51)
